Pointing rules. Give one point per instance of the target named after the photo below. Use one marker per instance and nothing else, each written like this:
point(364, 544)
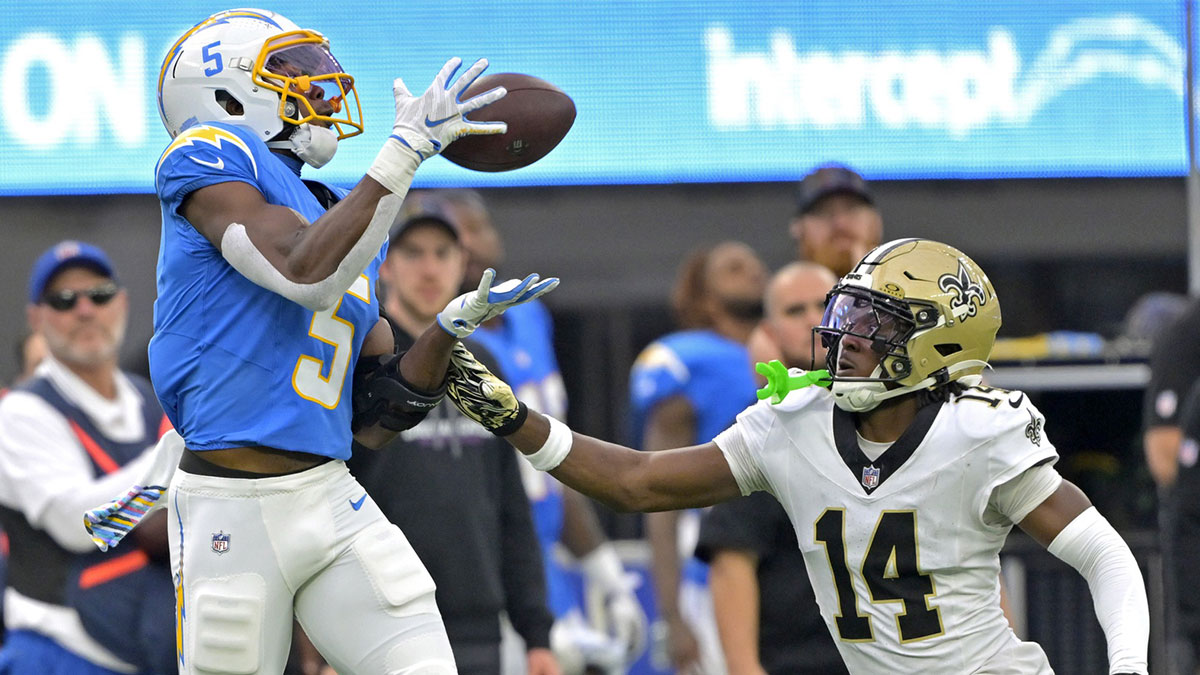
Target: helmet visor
point(301, 68)
point(884, 322)
point(311, 61)
point(851, 312)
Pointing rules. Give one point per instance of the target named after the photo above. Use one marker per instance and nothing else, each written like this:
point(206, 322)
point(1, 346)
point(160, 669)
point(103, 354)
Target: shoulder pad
point(800, 399)
point(986, 412)
point(210, 149)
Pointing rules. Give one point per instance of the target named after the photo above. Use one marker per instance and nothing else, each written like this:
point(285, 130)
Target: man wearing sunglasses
point(71, 436)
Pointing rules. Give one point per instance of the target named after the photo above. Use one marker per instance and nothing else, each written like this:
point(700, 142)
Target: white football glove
point(581, 649)
point(626, 620)
point(425, 125)
point(463, 315)
point(429, 123)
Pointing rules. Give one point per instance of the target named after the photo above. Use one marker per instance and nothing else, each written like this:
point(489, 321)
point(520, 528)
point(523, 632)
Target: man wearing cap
point(72, 436)
point(836, 221)
point(835, 224)
point(453, 488)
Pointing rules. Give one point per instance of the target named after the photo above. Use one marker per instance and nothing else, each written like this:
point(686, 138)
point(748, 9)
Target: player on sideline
point(902, 480)
point(260, 321)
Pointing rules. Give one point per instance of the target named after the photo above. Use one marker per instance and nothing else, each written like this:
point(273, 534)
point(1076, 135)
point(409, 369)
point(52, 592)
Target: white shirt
point(902, 548)
point(46, 474)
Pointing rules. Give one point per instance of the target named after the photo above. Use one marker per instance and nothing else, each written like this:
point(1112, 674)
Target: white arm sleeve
point(393, 168)
point(739, 444)
point(1091, 545)
point(245, 257)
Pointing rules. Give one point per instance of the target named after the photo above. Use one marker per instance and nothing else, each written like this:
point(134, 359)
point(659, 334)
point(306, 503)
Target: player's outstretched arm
point(1072, 529)
point(384, 403)
point(622, 478)
point(314, 265)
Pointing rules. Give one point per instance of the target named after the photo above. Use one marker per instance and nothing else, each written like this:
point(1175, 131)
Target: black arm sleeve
point(522, 573)
point(382, 396)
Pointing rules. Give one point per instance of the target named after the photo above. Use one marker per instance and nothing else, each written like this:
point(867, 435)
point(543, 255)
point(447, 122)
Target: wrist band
point(555, 449)
point(395, 165)
point(510, 427)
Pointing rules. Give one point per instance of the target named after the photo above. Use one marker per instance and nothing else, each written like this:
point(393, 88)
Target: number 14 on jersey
point(890, 571)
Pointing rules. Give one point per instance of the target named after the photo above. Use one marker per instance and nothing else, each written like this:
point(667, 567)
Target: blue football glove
point(463, 315)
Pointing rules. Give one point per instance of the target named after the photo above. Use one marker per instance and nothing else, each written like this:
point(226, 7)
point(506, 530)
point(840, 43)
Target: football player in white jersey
point(902, 478)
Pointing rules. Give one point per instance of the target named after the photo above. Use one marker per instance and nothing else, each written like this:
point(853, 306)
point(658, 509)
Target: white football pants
point(249, 554)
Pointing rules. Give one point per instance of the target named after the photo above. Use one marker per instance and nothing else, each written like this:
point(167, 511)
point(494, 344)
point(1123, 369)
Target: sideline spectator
point(75, 434)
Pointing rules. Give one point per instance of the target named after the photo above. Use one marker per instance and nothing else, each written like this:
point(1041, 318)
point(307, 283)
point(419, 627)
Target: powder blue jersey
point(713, 372)
point(234, 364)
point(715, 375)
point(523, 345)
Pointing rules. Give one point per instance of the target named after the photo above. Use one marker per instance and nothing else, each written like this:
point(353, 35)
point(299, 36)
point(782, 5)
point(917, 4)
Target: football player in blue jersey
point(684, 389)
point(268, 345)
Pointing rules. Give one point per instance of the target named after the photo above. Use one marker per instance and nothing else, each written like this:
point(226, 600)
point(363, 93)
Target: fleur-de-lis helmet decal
point(969, 295)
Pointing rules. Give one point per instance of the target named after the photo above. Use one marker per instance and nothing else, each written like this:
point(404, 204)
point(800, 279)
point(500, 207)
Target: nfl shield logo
point(220, 542)
point(870, 479)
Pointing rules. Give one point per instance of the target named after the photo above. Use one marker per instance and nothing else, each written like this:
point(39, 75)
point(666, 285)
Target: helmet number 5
point(212, 57)
point(331, 329)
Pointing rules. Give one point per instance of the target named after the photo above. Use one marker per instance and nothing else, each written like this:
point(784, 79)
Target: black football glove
point(481, 395)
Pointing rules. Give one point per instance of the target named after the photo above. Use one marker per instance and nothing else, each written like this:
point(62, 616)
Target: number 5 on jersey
point(333, 330)
point(891, 571)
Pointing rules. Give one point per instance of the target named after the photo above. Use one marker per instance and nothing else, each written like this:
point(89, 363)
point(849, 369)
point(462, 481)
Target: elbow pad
point(241, 253)
point(383, 397)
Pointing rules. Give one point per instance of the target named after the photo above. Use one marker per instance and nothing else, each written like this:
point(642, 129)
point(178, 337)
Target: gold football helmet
point(929, 311)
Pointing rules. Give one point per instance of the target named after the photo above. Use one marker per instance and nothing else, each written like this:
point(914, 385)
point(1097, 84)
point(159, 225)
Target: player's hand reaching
point(463, 315)
point(482, 396)
point(435, 119)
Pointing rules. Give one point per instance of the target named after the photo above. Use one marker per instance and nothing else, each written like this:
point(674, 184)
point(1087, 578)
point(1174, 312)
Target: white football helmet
point(930, 313)
point(265, 63)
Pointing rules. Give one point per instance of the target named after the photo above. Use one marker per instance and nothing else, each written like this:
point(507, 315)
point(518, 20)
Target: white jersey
point(905, 565)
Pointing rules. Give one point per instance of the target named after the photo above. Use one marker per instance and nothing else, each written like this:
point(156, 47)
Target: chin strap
point(314, 145)
point(864, 396)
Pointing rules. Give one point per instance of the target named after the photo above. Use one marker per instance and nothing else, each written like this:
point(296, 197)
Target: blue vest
point(125, 600)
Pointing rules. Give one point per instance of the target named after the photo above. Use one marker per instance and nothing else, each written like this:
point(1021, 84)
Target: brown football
point(538, 114)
